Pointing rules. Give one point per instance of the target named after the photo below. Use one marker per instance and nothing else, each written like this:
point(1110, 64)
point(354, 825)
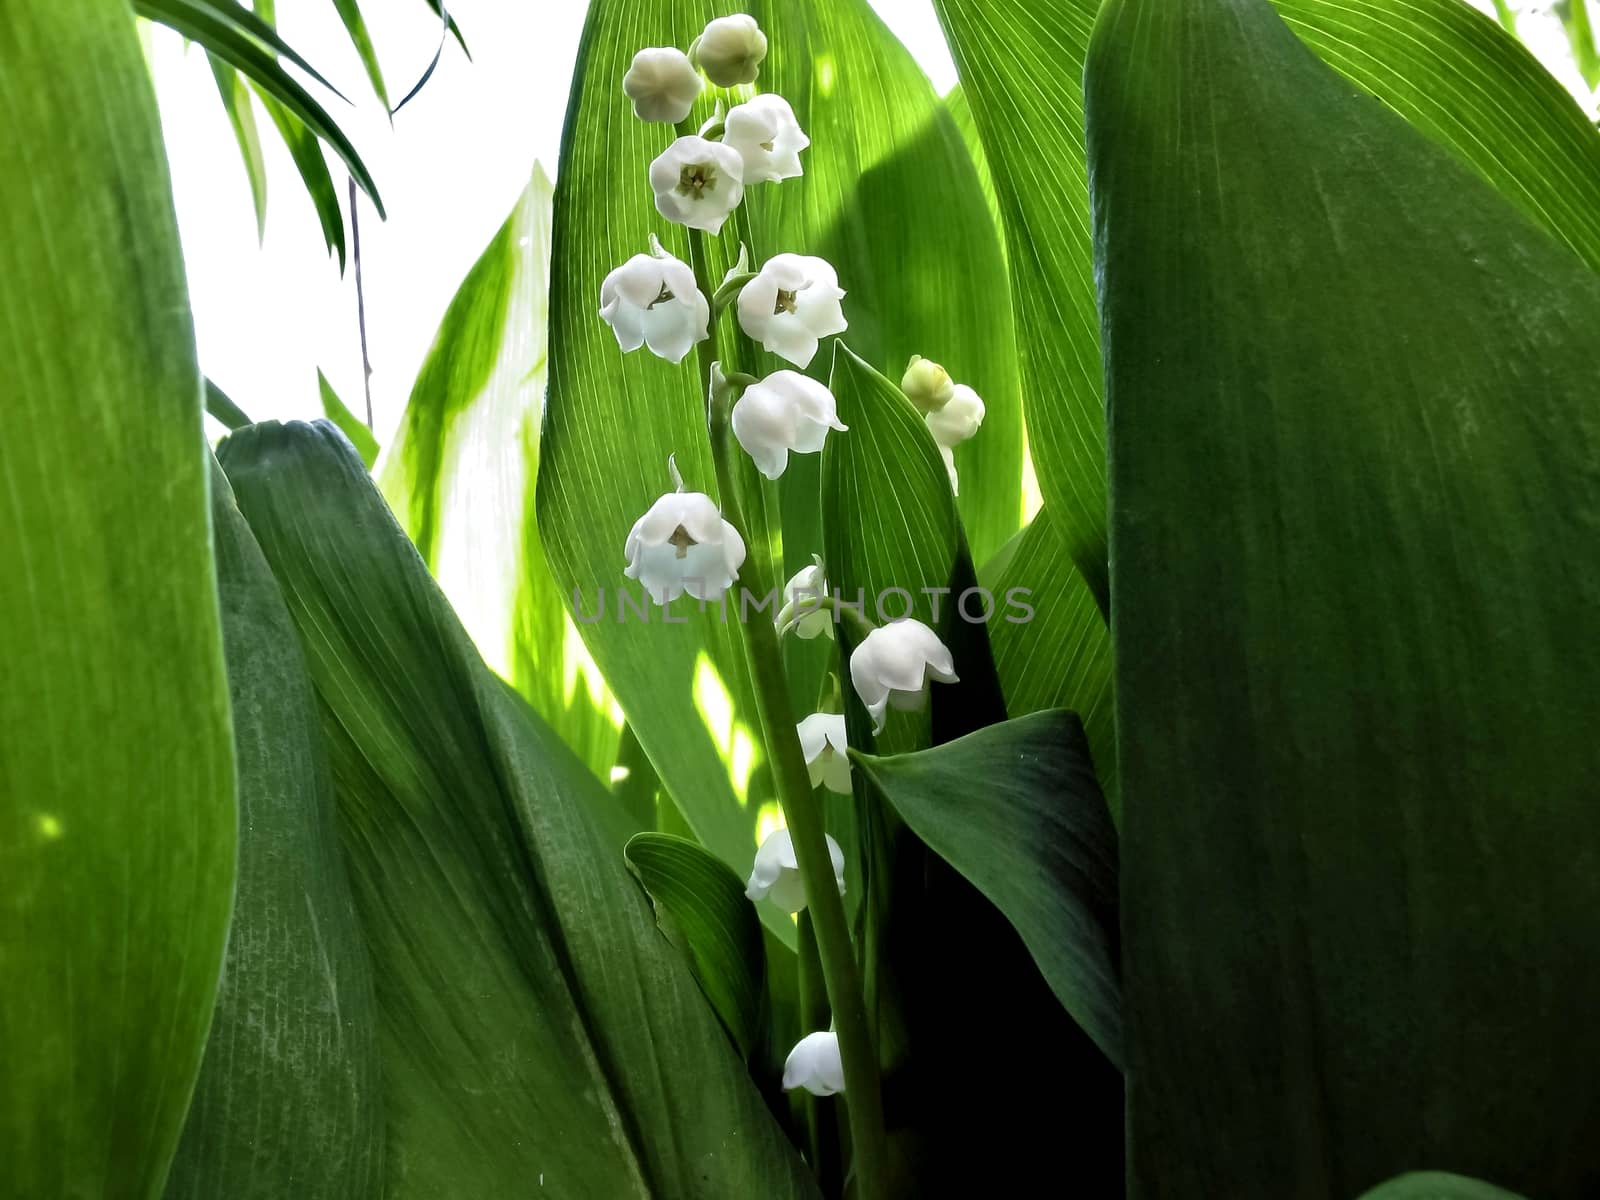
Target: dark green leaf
point(532, 1019)
point(939, 959)
point(220, 406)
point(288, 1102)
point(349, 424)
point(1016, 810)
point(306, 151)
point(228, 23)
point(1439, 64)
point(216, 25)
point(1355, 456)
point(700, 903)
point(117, 814)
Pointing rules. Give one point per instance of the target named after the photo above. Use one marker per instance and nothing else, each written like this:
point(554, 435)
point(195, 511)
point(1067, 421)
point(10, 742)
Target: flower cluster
point(683, 544)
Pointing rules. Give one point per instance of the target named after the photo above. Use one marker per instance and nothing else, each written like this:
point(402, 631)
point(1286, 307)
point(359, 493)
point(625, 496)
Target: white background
point(268, 314)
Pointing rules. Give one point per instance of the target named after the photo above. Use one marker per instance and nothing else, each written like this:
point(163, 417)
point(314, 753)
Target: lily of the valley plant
point(1038, 638)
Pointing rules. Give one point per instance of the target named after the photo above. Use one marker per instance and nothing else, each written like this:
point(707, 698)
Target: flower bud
point(776, 874)
point(893, 665)
point(815, 1065)
point(927, 384)
point(662, 83)
point(731, 50)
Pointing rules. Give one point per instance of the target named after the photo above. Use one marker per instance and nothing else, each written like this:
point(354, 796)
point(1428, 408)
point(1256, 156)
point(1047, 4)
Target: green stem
point(801, 812)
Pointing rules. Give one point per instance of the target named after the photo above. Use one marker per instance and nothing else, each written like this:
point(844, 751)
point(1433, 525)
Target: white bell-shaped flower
point(776, 874)
point(731, 50)
point(791, 304)
point(697, 183)
point(893, 664)
point(822, 739)
point(652, 300)
point(683, 545)
point(949, 457)
point(815, 1065)
point(785, 412)
point(804, 609)
point(662, 83)
point(959, 419)
point(767, 136)
point(927, 384)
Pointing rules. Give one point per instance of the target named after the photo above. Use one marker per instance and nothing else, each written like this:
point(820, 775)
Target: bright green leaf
point(1016, 810)
point(1436, 1185)
point(1355, 455)
point(701, 904)
point(117, 817)
point(236, 103)
point(356, 26)
point(349, 424)
point(461, 476)
point(1055, 650)
point(533, 1021)
point(288, 1102)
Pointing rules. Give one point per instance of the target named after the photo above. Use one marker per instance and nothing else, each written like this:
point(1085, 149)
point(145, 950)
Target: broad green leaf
point(356, 26)
point(1436, 1185)
point(1354, 460)
point(1052, 649)
point(1016, 810)
point(700, 903)
point(1458, 78)
point(250, 44)
point(349, 424)
point(235, 94)
point(1436, 62)
point(117, 818)
point(532, 1019)
point(288, 1101)
point(1021, 66)
point(461, 477)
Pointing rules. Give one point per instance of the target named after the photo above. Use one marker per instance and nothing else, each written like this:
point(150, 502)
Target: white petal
point(959, 419)
point(815, 1065)
point(874, 693)
point(788, 892)
point(836, 774)
point(709, 207)
point(626, 322)
point(949, 457)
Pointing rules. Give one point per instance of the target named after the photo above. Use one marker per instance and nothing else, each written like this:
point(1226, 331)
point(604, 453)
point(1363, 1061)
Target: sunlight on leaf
point(735, 741)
